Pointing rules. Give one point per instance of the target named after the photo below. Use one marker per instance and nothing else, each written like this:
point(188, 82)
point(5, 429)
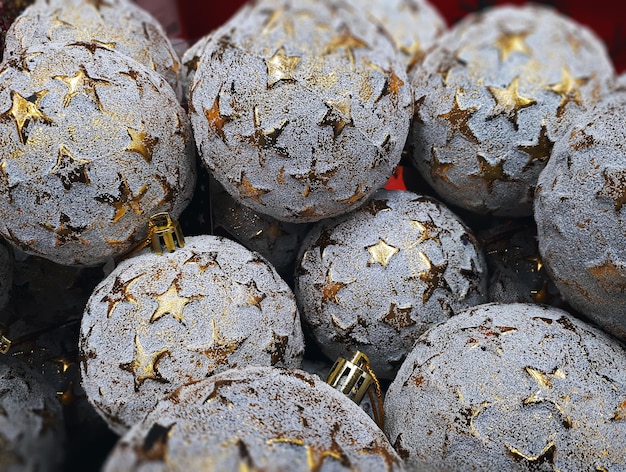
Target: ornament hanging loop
point(164, 232)
point(5, 343)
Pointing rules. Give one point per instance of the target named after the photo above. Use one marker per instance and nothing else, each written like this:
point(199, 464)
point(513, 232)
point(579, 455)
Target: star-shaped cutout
point(568, 88)
point(281, 67)
point(69, 169)
point(255, 296)
point(546, 456)
point(438, 169)
point(170, 303)
point(266, 138)
point(347, 42)
point(614, 187)
point(324, 241)
point(374, 206)
point(66, 232)
point(509, 43)
point(538, 152)
point(126, 201)
point(248, 190)
point(216, 120)
point(490, 173)
point(81, 84)
point(141, 143)
point(218, 351)
point(398, 317)
point(433, 277)
point(25, 110)
point(119, 293)
point(330, 289)
point(428, 230)
point(381, 253)
point(144, 366)
point(509, 101)
point(459, 117)
point(338, 115)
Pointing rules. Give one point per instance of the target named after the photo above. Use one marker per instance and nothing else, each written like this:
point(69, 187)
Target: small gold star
point(218, 351)
point(281, 67)
point(70, 169)
point(509, 43)
point(544, 379)
point(119, 293)
point(144, 366)
point(568, 88)
point(373, 207)
point(330, 289)
point(216, 119)
point(438, 169)
point(170, 303)
point(433, 277)
point(427, 230)
point(538, 152)
point(249, 190)
point(255, 296)
point(26, 110)
point(458, 118)
point(66, 232)
point(347, 42)
point(614, 187)
point(141, 143)
point(81, 83)
point(490, 172)
point(381, 253)
point(339, 115)
point(125, 201)
point(399, 317)
point(509, 101)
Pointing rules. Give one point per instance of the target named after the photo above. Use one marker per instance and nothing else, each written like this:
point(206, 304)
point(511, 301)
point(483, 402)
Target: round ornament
point(31, 421)
point(158, 322)
point(255, 418)
point(581, 215)
point(376, 279)
point(190, 61)
point(510, 387)
point(492, 98)
point(300, 110)
point(92, 145)
point(116, 24)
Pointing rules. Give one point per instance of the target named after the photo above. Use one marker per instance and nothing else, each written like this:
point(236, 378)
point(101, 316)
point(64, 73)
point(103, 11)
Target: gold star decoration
point(398, 317)
point(361, 192)
point(611, 274)
point(281, 67)
point(393, 85)
point(69, 169)
point(546, 456)
point(154, 446)
point(120, 293)
point(538, 152)
point(509, 43)
point(447, 64)
point(433, 277)
point(324, 241)
point(459, 117)
point(346, 42)
point(266, 138)
point(438, 169)
point(544, 379)
point(568, 88)
point(374, 206)
point(316, 455)
point(204, 260)
point(66, 232)
point(141, 143)
point(170, 303)
point(81, 83)
point(249, 190)
point(381, 253)
point(23, 111)
point(614, 187)
point(489, 173)
point(509, 101)
point(255, 296)
point(216, 120)
point(330, 289)
point(126, 201)
point(428, 231)
point(145, 366)
point(218, 351)
point(338, 115)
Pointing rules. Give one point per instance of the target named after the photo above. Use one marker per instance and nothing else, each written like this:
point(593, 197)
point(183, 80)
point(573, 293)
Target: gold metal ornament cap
point(5, 343)
point(350, 377)
point(164, 232)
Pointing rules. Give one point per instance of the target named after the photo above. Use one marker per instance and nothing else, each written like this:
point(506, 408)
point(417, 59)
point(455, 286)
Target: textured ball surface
point(31, 421)
point(92, 144)
point(158, 322)
point(510, 387)
point(255, 418)
point(374, 280)
point(581, 215)
point(300, 109)
point(492, 98)
point(116, 24)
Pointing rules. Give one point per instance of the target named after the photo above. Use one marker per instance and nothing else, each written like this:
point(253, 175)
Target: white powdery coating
point(6, 273)
point(376, 279)
point(92, 144)
point(116, 24)
point(158, 322)
point(493, 96)
point(32, 432)
point(510, 387)
point(300, 109)
point(414, 25)
point(255, 418)
point(580, 210)
point(190, 61)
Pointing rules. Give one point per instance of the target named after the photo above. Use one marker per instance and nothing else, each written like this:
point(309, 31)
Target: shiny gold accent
point(5, 342)
point(509, 43)
point(381, 253)
point(64, 363)
point(249, 190)
point(281, 67)
point(170, 303)
point(538, 152)
point(81, 83)
point(125, 201)
point(433, 277)
point(339, 115)
point(458, 117)
point(255, 296)
point(331, 288)
point(509, 101)
point(66, 232)
point(24, 110)
point(144, 366)
point(546, 455)
point(568, 88)
point(449, 62)
point(398, 317)
point(490, 172)
point(610, 274)
point(374, 206)
point(67, 396)
point(215, 119)
point(315, 455)
point(219, 349)
point(414, 52)
point(70, 169)
point(614, 187)
point(545, 379)
point(141, 143)
point(119, 293)
point(347, 42)
point(438, 169)
point(620, 412)
point(163, 231)
point(357, 196)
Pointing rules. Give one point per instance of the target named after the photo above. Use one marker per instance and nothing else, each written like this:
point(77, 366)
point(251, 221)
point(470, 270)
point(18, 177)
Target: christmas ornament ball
point(374, 280)
point(581, 216)
point(300, 109)
point(92, 145)
point(494, 96)
point(158, 322)
point(510, 387)
point(32, 432)
point(255, 418)
point(116, 24)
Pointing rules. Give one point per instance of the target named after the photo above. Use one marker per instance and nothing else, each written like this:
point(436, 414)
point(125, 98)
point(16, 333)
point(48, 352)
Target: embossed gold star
point(23, 111)
point(255, 296)
point(509, 43)
point(546, 456)
point(249, 190)
point(509, 101)
point(381, 253)
point(438, 169)
point(281, 67)
point(66, 232)
point(330, 289)
point(538, 152)
point(347, 42)
point(374, 206)
point(81, 83)
point(544, 379)
point(611, 273)
point(141, 143)
point(216, 120)
point(459, 117)
point(614, 187)
point(490, 172)
point(70, 169)
point(339, 115)
point(360, 193)
point(154, 446)
point(323, 242)
point(433, 277)
point(119, 293)
point(204, 260)
point(218, 351)
point(170, 303)
point(316, 455)
point(398, 317)
point(568, 88)
point(126, 201)
point(266, 138)
point(428, 229)
point(144, 366)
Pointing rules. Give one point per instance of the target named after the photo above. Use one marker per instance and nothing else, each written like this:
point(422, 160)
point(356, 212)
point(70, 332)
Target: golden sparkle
point(25, 110)
point(141, 143)
point(459, 117)
point(126, 201)
point(509, 43)
point(509, 101)
point(433, 277)
point(69, 169)
point(218, 351)
point(144, 366)
point(81, 83)
point(346, 42)
point(381, 253)
point(538, 152)
point(399, 317)
point(215, 119)
point(544, 379)
point(614, 187)
point(568, 88)
point(170, 303)
point(330, 289)
point(249, 190)
point(281, 67)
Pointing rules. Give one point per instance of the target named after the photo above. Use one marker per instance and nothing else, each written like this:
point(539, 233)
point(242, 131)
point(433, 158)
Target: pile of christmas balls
point(497, 341)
